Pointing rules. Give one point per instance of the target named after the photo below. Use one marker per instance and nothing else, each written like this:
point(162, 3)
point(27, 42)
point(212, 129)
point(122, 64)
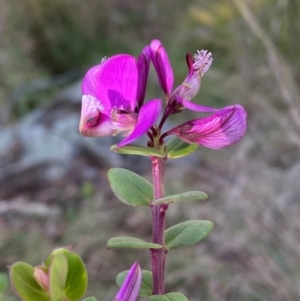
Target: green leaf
point(77, 279)
point(89, 299)
point(57, 251)
point(58, 272)
point(184, 149)
point(158, 298)
point(137, 150)
point(186, 196)
point(126, 242)
point(146, 285)
point(172, 144)
point(176, 297)
point(187, 233)
point(21, 275)
point(169, 297)
point(129, 187)
point(176, 148)
point(76, 282)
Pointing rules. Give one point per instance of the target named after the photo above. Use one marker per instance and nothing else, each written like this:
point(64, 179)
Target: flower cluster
point(114, 93)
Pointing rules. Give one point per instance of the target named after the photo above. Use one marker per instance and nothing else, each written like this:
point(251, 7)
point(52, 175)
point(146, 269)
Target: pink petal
point(190, 62)
point(114, 82)
point(146, 119)
point(93, 122)
point(90, 84)
point(143, 65)
point(162, 66)
point(90, 80)
point(131, 286)
point(41, 277)
point(196, 107)
point(219, 130)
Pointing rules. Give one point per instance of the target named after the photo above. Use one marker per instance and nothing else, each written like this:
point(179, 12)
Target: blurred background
point(53, 186)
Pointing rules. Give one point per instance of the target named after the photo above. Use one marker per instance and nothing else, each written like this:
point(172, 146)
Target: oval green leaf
point(57, 251)
point(21, 275)
point(176, 297)
point(187, 233)
point(186, 196)
point(89, 299)
point(158, 298)
point(127, 242)
point(77, 279)
point(176, 148)
point(172, 144)
point(137, 150)
point(129, 187)
point(169, 297)
point(146, 285)
point(76, 282)
point(58, 272)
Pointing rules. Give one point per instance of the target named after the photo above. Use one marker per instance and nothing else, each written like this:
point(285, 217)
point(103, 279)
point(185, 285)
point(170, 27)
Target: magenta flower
point(219, 130)
point(225, 127)
point(113, 98)
point(114, 93)
point(131, 285)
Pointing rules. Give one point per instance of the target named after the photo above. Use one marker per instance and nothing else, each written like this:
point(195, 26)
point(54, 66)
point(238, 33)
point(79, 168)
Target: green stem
point(158, 256)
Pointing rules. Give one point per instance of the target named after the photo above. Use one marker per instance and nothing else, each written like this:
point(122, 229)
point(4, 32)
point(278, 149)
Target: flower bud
point(162, 65)
point(224, 128)
point(131, 285)
point(41, 277)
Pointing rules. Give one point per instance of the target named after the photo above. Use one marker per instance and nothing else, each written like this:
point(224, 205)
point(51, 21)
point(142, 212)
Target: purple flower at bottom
point(131, 285)
point(113, 96)
point(224, 128)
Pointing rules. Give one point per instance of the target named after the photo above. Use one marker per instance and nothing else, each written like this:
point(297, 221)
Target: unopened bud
point(41, 277)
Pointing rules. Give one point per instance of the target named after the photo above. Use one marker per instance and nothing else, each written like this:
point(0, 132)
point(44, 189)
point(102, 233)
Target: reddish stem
point(158, 227)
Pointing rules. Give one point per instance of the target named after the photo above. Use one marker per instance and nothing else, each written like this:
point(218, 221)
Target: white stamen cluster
point(203, 60)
